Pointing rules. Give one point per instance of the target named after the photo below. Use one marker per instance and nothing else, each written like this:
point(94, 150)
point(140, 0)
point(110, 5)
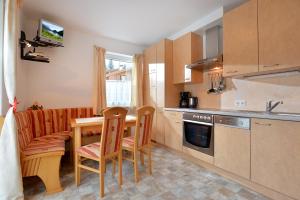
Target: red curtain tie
point(14, 105)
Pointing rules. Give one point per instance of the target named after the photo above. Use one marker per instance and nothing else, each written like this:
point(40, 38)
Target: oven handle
point(195, 122)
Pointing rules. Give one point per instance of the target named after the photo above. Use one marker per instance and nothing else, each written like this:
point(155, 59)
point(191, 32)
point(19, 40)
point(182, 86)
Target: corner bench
point(42, 135)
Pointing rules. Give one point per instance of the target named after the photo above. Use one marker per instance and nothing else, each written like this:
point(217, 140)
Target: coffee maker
point(184, 99)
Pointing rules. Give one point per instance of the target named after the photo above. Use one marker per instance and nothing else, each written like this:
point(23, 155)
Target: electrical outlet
point(237, 103)
point(240, 103)
point(243, 103)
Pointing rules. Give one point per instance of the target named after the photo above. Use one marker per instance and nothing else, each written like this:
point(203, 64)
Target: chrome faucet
point(270, 105)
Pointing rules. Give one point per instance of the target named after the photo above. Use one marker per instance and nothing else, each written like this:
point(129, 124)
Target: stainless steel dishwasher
point(232, 144)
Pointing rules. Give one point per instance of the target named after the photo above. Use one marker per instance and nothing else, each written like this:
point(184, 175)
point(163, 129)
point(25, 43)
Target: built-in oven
point(198, 132)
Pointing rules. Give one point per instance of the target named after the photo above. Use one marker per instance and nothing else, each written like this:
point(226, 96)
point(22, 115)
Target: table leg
point(77, 144)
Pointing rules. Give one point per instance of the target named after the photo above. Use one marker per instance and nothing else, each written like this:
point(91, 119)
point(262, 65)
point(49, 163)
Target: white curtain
point(10, 171)
point(118, 93)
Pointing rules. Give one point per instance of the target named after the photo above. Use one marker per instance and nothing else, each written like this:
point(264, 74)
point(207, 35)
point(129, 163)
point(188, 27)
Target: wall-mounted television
point(50, 32)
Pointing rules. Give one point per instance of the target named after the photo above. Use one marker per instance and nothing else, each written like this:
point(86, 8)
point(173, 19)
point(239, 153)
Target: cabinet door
point(160, 85)
point(279, 34)
point(186, 49)
point(146, 88)
point(275, 157)
point(154, 127)
point(232, 150)
point(160, 129)
point(173, 130)
point(152, 100)
point(150, 89)
point(241, 40)
point(149, 58)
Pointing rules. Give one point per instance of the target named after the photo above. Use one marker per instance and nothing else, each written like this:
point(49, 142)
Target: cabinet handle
point(232, 72)
point(178, 122)
point(263, 124)
point(274, 65)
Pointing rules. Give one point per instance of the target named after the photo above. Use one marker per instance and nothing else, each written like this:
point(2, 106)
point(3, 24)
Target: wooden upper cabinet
point(279, 34)
point(240, 40)
point(149, 58)
point(275, 158)
point(186, 50)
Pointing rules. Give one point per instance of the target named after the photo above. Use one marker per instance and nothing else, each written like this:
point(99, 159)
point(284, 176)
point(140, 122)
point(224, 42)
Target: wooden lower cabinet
point(173, 130)
point(159, 128)
point(275, 155)
point(232, 150)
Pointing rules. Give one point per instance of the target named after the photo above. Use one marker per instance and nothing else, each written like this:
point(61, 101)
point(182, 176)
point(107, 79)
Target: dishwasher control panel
point(237, 122)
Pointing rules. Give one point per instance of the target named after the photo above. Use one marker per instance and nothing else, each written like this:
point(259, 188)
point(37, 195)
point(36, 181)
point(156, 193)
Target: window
point(118, 79)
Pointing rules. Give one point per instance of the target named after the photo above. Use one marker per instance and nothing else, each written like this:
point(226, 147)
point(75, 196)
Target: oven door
point(199, 136)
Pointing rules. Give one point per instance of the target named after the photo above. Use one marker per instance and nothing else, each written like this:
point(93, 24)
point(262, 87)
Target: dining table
point(80, 125)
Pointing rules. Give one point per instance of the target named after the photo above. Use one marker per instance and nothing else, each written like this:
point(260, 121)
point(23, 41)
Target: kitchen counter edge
point(240, 113)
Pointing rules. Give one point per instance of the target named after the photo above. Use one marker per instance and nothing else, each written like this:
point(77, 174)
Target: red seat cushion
point(90, 150)
point(39, 147)
point(65, 135)
point(128, 142)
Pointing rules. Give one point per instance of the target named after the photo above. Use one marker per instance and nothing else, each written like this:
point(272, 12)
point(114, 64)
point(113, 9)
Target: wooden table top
point(96, 121)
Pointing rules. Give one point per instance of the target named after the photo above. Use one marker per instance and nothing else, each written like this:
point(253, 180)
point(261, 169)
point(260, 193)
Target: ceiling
point(141, 22)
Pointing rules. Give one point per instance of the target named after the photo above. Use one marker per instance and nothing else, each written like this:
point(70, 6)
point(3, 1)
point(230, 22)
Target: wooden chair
point(109, 148)
point(141, 141)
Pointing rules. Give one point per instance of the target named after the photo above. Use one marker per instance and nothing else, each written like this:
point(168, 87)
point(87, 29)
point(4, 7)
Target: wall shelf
point(36, 42)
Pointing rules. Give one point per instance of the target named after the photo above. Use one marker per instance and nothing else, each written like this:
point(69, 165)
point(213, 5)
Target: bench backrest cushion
point(37, 123)
point(24, 128)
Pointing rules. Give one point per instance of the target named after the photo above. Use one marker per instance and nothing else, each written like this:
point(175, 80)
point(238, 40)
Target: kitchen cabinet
point(262, 36)
point(232, 150)
point(149, 58)
point(279, 39)
point(186, 50)
point(173, 130)
point(159, 90)
point(275, 158)
point(240, 40)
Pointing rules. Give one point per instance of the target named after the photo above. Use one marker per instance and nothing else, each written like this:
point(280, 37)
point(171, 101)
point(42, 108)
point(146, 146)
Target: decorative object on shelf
point(217, 82)
point(36, 106)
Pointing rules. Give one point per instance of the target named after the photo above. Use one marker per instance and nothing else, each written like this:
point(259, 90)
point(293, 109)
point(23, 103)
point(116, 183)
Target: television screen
point(50, 32)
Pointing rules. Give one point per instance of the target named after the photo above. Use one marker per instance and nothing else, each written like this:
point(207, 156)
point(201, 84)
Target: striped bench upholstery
point(42, 135)
point(49, 125)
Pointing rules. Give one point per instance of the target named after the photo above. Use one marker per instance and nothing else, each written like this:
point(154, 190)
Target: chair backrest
point(144, 126)
point(112, 130)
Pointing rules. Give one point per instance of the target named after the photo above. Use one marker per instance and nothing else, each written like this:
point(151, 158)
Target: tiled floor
point(173, 178)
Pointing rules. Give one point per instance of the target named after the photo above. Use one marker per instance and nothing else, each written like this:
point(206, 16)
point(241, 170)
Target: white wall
point(258, 91)
point(67, 81)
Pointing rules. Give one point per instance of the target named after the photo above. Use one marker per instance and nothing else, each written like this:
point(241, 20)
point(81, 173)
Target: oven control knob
point(196, 116)
point(205, 118)
point(201, 117)
point(208, 118)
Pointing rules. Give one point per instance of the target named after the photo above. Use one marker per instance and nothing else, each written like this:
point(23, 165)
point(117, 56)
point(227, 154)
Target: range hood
point(212, 49)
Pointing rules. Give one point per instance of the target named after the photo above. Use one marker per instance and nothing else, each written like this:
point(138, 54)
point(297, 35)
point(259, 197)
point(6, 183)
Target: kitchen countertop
point(242, 113)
